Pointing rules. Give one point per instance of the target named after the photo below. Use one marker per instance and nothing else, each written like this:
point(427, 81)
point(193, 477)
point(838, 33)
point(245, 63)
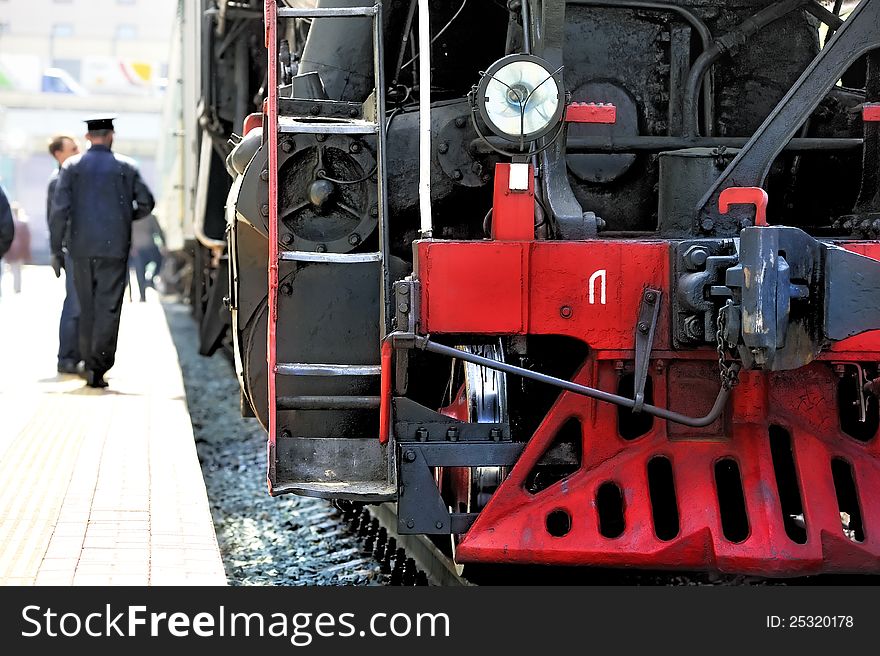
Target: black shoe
point(67, 367)
point(95, 379)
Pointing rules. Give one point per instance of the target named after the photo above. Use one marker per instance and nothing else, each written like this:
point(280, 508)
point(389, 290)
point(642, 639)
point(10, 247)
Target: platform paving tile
point(98, 487)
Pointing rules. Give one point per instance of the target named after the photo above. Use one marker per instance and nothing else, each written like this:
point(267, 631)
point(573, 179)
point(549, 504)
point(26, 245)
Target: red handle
point(385, 398)
point(745, 196)
point(591, 113)
point(871, 112)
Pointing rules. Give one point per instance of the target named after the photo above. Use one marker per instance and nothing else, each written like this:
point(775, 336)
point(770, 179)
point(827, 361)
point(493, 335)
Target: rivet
point(565, 312)
point(410, 456)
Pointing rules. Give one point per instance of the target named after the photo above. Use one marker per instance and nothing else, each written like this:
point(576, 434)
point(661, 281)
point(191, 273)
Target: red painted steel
point(513, 211)
point(589, 290)
point(272, 122)
point(385, 398)
point(871, 112)
point(745, 196)
point(555, 288)
point(252, 121)
point(591, 113)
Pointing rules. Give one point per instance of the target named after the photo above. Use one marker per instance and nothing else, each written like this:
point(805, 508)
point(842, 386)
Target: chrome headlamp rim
point(480, 98)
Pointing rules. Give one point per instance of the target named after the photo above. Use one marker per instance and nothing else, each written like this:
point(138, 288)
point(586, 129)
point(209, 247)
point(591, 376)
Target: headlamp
point(521, 98)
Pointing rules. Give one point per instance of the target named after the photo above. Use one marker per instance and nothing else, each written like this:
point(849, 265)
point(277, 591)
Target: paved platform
point(97, 487)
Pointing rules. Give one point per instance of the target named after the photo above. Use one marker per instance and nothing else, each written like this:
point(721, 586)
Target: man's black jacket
point(97, 196)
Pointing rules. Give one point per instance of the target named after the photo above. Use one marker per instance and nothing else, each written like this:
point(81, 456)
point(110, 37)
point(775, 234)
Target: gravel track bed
point(286, 540)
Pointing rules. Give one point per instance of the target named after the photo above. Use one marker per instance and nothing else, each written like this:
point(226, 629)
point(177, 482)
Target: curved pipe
point(661, 413)
point(735, 38)
point(689, 17)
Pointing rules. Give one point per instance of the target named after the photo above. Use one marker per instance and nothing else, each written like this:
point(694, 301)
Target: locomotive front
point(608, 300)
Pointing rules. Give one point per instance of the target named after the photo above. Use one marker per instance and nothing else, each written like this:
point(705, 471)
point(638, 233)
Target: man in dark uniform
point(62, 148)
point(97, 197)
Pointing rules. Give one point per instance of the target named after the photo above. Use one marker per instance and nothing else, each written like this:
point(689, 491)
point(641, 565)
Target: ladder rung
point(302, 369)
point(287, 124)
point(327, 12)
point(328, 402)
point(329, 258)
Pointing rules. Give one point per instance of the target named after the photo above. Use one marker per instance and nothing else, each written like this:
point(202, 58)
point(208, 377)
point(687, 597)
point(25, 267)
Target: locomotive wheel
point(476, 394)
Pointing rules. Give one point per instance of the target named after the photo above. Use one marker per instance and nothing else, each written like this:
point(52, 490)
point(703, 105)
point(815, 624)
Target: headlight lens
point(520, 98)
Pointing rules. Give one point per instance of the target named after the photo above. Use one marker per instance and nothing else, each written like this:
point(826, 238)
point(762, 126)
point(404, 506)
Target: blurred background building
point(63, 60)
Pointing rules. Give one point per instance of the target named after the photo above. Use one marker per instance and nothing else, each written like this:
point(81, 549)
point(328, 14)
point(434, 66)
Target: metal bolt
point(264, 175)
point(460, 122)
point(287, 145)
point(452, 434)
point(321, 248)
point(696, 256)
point(287, 239)
point(565, 312)
point(643, 327)
point(315, 110)
point(354, 239)
point(321, 137)
point(707, 224)
point(693, 327)
point(403, 306)
point(443, 148)
point(286, 433)
point(438, 525)
point(422, 434)
point(650, 297)
point(456, 175)
point(477, 168)
point(287, 289)
point(404, 290)
point(353, 113)
point(410, 523)
point(410, 456)
point(264, 209)
point(374, 210)
point(354, 147)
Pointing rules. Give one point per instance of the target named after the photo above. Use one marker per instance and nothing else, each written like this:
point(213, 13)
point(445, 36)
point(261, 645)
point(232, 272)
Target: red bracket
point(252, 121)
point(871, 112)
point(745, 196)
point(385, 398)
point(591, 113)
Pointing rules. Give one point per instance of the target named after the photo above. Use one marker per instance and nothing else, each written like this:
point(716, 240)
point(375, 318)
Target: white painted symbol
point(600, 277)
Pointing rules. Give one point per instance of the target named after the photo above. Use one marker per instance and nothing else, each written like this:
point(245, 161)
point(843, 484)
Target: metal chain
point(729, 373)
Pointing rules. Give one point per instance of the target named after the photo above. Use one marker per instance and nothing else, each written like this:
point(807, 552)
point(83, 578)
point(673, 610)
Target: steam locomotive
point(584, 282)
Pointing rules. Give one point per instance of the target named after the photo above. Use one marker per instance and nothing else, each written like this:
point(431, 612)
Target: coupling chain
point(729, 373)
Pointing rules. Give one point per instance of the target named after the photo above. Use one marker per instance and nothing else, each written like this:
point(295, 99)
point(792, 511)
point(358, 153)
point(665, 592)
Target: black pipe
point(620, 144)
point(689, 16)
point(733, 39)
point(833, 21)
point(327, 402)
point(599, 395)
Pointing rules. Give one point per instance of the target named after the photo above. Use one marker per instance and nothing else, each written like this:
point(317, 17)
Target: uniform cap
point(100, 123)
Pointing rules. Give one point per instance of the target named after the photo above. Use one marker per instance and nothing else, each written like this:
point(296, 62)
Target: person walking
point(98, 195)
point(19, 252)
point(146, 235)
point(62, 147)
